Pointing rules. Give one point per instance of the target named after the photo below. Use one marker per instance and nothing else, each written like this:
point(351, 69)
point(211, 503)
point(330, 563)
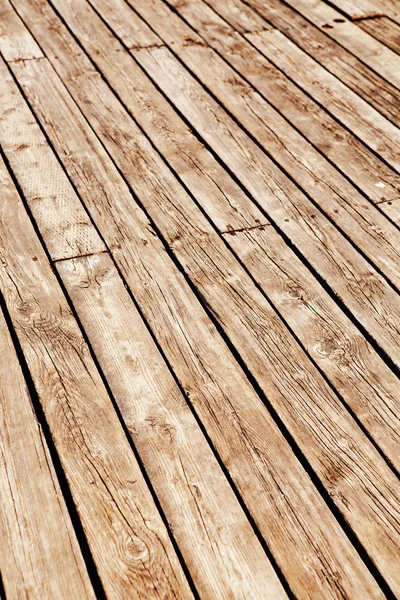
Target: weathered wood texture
point(239, 162)
point(331, 54)
point(231, 411)
point(39, 556)
point(298, 393)
point(218, 544)
point(108, 488)
point(384, 29)
point(173, 139)
point(57, 210)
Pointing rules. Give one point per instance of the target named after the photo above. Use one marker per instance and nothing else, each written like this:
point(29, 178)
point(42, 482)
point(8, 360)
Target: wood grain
point(362, 223)
point(224, 398)
point(330, 440)
point(314, 40)
point(351, 110)
point(128, 540)
point(53, 202)
point(15, 40)
point(383, 29)
point(216, 540)
point(368, 49)
point(40, 556)
point(322, 245)
point(332, 140)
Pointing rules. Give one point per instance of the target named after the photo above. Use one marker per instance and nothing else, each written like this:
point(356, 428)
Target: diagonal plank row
point(227, 395)
point(199, 251)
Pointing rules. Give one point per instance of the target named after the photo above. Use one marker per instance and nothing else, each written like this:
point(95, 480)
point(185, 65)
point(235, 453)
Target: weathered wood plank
point(335, 142)
point(294, 387)
point(211, 529)
point(130, 545)
point(15, 40)
point(105, 54)
point(366, 384)
point(351, 110)
point(383, 29)
point(40, 557)
point(274, 490)
point(368, 49)
point(56, 208)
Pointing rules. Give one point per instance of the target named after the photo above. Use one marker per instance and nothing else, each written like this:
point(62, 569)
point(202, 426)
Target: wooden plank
point(383, 29)
point(362, 223)
point(15, 40)
point(335, 259)
point(211, 529)
point(40, 555)
point(196, 166)
point(315, 416)
point(128, 540)
point(272, 483)
point(365, 383)
point(348, 68)
point(365, 47)
point(56, 208)
point(347, 153)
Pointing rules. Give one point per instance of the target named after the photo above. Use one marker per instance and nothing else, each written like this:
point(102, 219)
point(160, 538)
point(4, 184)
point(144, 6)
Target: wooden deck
point(199, 293)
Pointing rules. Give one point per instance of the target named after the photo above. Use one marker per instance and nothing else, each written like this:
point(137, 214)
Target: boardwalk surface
point(200, 299)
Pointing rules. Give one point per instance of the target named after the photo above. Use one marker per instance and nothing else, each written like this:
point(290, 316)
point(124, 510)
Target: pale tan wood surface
point(383, 29)
point(364, 224)
point(129, 542)
point(294, 387)
point(383, 423)
point(348, 154)
point(16, 41)
point(275, 192)
point(194, 347)
point(370, 50)
point(331, 54)
point(218, 544)
point(40, 556)
point(322, 244)
point(57, 210)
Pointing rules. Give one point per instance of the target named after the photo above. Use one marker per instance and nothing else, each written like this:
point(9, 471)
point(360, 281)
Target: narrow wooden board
point(383, 29)
point(362, 223)
point(368, 49)
point(40, 557)
point(56, 208)
point(196, 166)
point(15, 40)
point(220, 548)
point(313, 414)
point(365, 383)
point(348, 68)
point(272, 483)
point(128, 540)
point(322, 244)
point(344, 150)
